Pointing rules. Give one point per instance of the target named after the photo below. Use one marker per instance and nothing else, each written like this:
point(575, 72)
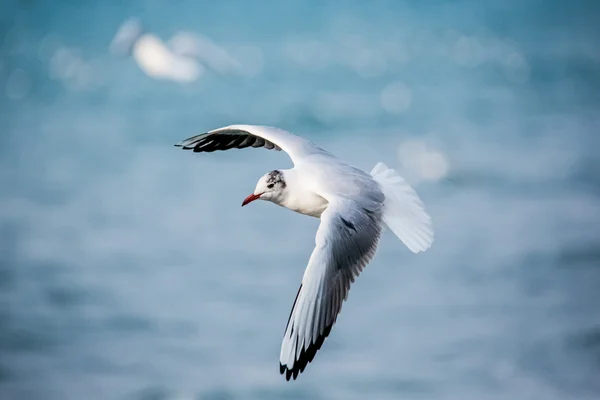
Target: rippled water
point(129, 270)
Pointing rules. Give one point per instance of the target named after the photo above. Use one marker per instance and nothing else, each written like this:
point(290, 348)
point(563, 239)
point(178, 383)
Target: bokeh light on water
point(129, 271)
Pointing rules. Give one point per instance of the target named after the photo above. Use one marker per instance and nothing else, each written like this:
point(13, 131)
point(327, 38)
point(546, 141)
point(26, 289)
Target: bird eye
point(270, 185)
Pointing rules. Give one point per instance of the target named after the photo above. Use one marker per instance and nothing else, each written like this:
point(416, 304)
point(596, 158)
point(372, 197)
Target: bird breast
point(307, 203)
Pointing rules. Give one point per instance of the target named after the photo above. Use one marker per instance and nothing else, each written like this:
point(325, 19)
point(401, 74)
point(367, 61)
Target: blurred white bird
point(353, 206)
point(152, 55)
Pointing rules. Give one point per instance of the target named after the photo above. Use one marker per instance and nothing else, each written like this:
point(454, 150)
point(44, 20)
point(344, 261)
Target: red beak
point(250, 199)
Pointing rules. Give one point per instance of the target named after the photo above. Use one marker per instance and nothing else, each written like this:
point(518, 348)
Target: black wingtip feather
point(306, 356)
point(234, 139)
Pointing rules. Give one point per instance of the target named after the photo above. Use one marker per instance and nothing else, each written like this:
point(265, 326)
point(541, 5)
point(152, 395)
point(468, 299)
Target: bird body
point(354, 206)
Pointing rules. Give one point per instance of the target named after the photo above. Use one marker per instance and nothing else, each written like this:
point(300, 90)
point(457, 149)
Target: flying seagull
point(353, 206)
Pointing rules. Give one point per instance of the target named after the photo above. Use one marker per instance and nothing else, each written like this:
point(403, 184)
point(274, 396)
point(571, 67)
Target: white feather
point(403, 210)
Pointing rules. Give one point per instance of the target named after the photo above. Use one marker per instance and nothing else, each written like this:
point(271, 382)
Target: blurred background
point(128, 269)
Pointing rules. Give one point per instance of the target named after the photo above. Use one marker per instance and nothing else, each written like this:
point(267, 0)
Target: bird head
point(270, 186)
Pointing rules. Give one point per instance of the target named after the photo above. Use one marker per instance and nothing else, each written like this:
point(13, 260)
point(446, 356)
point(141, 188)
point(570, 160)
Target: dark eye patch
point(270, 185)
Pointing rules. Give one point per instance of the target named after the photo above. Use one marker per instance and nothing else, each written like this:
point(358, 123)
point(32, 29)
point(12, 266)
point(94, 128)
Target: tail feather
point(404, 212)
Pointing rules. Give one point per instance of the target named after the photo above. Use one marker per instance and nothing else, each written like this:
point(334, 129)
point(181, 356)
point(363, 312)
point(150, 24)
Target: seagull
point(354, 207)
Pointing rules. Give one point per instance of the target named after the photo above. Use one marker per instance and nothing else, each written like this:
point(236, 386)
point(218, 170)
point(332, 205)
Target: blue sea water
point(128, 269)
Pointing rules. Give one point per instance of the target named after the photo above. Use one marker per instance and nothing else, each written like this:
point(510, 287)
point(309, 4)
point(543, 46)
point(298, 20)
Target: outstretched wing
point(242, 136)
point(345, 243)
